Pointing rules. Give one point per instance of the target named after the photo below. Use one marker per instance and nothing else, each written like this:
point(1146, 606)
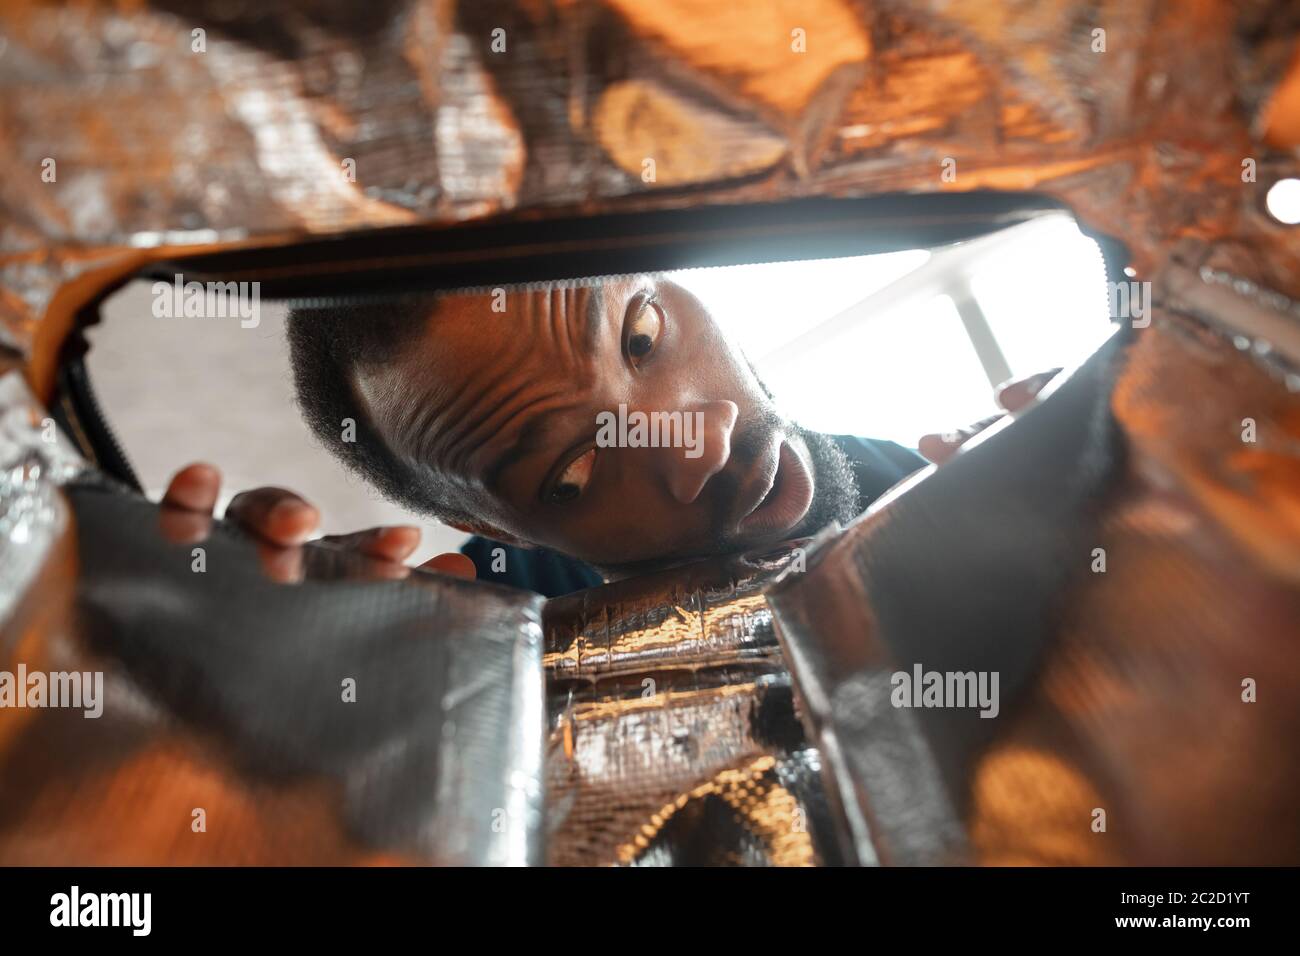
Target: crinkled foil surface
point(335, 720)
point(1126, 558)
point(674, 737)
point(197, 123)
point(671, 730)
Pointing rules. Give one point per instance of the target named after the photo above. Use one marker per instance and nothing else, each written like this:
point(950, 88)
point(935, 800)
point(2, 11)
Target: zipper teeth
point(577, 281)
point(792, 234)
point(110, 435)
point(326, 301)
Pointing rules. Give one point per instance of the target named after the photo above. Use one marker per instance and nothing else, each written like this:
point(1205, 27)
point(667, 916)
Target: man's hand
point(1012, 396)
point(282, 521)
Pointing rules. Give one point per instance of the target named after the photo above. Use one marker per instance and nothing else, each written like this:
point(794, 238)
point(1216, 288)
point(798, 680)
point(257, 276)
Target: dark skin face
point(504, 407)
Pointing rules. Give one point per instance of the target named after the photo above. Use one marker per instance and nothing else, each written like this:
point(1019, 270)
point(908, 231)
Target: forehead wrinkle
point(460, 408)
point(535, 394)
point(528, 436)
point(454, 433)
point(469, 398)
point(385, 398)
point(573, 318)
point(501, 410)
point(557, 328)
point(537, 399)
point(445, 431)
point(571, 331)
point(595, 315)
point(567, 325)
point(417, 423)
point(414, 429)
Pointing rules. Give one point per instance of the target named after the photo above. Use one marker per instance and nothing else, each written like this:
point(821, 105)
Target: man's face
point(508, 407)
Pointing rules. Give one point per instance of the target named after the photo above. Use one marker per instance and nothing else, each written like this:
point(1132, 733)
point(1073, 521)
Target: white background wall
point(183, 390)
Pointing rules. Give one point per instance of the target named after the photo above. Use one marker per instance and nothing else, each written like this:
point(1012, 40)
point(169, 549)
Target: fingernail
point(300, 518)
point(403, 535)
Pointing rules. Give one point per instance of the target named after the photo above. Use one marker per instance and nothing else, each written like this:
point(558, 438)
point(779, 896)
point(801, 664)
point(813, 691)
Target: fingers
point(185, 515)
point(935, 448)
point(194, 488)
point(392, 543)
point(939, 447)
point(389, 546)
point(280, 564)
point(1014, 395)
point(282, 521)
point(275, 515)
point(455, 564)
point(1019, 393)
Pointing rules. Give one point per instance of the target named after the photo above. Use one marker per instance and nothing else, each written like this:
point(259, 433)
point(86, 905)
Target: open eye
point(572, 481)
point(641, 334)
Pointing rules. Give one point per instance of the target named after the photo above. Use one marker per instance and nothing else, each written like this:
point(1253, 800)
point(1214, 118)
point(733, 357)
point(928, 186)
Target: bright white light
point(904, 365)
point(1284, 201)
point(1044, 296)
point(762, 307)
point(896, 376)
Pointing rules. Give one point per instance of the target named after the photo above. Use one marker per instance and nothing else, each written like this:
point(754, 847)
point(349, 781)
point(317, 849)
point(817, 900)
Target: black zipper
point(78, 413)
point(511, 251)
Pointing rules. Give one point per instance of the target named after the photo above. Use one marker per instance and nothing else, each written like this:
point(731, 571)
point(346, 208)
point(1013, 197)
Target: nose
point(686, 475)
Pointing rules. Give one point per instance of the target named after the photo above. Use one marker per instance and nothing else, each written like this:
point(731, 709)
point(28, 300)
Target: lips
point(783, 498)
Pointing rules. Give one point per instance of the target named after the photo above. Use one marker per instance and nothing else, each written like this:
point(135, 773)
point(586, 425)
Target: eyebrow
point(529, 439)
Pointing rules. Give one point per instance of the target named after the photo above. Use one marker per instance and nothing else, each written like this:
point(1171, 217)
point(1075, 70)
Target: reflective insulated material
point(168, 126)
point(1124, 561)
point(333, 720)
point(674, 736)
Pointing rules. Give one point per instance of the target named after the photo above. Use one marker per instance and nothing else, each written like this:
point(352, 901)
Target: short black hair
point(328, 342)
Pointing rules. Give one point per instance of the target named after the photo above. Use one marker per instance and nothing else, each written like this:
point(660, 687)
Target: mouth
point(783, 499)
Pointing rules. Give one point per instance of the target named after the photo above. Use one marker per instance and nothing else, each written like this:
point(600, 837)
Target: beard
point(836, 497)
point(835, 494)
point(835, 486)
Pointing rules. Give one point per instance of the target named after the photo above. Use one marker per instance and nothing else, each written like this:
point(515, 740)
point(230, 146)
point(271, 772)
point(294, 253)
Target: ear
point(489, 531)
